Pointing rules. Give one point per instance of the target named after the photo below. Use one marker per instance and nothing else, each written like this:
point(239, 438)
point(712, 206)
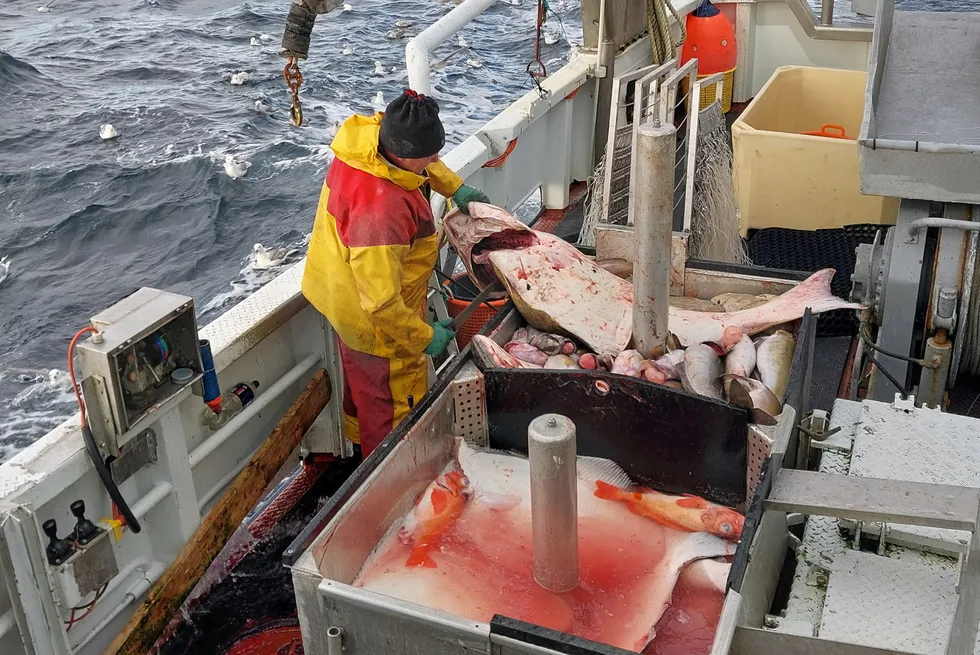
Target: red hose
point(71, 369)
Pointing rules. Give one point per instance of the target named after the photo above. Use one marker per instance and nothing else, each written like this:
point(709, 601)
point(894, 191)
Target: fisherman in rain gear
point(372, 251)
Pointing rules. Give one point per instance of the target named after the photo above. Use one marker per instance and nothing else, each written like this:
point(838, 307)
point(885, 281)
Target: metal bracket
point(815, 424)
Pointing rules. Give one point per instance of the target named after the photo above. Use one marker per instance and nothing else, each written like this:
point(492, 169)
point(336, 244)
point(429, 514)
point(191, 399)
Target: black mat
point(829, 360)
point(965, 398)
point(803, 250)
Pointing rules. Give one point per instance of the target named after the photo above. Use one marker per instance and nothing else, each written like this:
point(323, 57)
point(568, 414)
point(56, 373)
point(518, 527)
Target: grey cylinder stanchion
point(652, 208)
point(554, 502)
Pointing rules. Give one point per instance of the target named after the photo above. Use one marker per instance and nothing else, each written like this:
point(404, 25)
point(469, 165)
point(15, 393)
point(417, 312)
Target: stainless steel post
point(335, 640)
point(827, 12)
point(652, 207)
point(554, 502)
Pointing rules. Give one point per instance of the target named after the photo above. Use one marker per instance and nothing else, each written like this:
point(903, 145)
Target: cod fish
point(694, 304)
point(558, 289)
point(526, 353)
point(628, 363)
point(685, 513)
point(774, 357)
point(670, 364)
point(549, 344)
point(734, 302)
point(498, 355)
point(440, 506)
point(740, 361)
point(561, 361)
point(754, 395)
point(702, 371)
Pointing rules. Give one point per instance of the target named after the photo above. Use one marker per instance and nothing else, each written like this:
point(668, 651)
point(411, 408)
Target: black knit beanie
point(410, 127)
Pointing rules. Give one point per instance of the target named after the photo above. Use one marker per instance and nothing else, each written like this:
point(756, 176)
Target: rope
point(662, 44)
point(499, 160)
point(535, 68)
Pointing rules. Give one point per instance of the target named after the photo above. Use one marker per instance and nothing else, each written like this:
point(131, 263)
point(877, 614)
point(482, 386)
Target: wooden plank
point(963, 631)
point(167, 595)
point(871, 499)
point(753, 641)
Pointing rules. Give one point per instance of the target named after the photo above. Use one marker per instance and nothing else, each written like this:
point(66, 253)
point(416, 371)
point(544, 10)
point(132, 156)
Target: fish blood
point(628, 564)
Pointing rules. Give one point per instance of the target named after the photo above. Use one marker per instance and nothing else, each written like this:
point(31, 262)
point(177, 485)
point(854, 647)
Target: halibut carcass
point(557, 289)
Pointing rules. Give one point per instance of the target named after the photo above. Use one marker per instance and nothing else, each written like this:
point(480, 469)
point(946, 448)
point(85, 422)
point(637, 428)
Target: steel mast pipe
point(554, 501)
point(418, 49)
point(652, 206)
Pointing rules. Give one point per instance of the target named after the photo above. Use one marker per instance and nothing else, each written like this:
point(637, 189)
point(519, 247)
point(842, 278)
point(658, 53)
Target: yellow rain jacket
point(373, 248)
point(374, 245)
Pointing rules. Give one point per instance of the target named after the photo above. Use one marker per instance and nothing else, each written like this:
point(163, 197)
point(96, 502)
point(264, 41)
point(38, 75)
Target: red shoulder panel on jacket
point(371, 211)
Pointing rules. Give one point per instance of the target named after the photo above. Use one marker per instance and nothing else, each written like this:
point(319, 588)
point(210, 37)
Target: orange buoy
point(711, 39)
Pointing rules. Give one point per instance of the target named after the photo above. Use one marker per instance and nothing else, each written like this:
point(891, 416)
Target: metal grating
point(888, 603)
point(633, 96)
point(829, 593)
point(803, 250)
point(918, 445)
point(470, 405)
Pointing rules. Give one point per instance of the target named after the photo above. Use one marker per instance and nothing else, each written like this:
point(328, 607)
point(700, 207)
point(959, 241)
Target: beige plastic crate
point(786, 179)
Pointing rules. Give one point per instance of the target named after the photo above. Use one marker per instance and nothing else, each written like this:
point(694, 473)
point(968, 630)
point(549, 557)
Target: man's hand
point(467, 194)
point(441, 336)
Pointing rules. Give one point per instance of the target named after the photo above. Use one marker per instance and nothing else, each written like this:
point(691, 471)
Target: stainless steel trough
point(920, 135)
point(712, 452)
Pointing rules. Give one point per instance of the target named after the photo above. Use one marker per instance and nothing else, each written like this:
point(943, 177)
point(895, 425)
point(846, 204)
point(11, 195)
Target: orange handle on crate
point(823, 131)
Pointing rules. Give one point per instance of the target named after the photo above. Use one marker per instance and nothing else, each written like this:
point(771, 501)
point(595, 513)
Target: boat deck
point(901, 596)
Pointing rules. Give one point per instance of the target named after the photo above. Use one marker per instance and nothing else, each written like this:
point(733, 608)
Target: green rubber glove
point(441, 336)
point(467, 194)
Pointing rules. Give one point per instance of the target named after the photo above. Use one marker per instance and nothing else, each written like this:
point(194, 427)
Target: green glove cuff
point(441, 336)
point(467, 194)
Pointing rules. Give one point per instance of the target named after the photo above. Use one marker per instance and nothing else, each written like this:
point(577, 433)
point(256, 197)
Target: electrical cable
point(891, 378)
point(905, 358)
point(101, 468)
point(88, 607)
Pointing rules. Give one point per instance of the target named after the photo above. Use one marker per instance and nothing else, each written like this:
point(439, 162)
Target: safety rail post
point(418, 49)
point(827, 12)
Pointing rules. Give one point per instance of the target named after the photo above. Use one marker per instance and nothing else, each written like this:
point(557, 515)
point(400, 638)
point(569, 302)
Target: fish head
point(455, 483)
point(723, 522)
point(731, 336)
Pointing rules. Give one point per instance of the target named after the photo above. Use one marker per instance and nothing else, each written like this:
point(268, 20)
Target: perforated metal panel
point(760, 446)
point(470, 405)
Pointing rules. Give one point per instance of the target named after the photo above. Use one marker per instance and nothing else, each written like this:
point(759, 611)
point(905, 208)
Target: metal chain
point(294, 79)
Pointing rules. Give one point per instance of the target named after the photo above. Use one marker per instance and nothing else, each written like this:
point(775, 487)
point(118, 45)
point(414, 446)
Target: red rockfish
point(436, 511)
point(687, 513)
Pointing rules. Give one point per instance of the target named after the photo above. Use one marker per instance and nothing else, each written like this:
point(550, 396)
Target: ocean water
point(83, 221)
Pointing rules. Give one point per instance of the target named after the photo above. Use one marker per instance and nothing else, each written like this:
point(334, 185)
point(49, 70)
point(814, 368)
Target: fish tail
point(813, 293)
point(419, 557)
point(607, 491)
